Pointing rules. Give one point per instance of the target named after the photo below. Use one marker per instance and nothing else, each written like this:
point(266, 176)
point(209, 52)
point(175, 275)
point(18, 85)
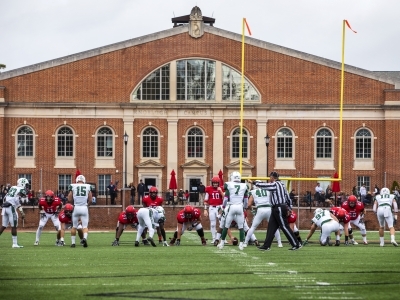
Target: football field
point(192, 271)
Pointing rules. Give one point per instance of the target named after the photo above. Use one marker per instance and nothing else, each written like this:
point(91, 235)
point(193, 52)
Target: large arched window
point(195, 143)
point(105, 142)
point(65, 142)
point(155, 86)
point(323, 143)
point(25, 141)
point(150, 142)
point(232, 86)
point(195, 79)
point(284, 144)
point(235, 140)
point(363, 143)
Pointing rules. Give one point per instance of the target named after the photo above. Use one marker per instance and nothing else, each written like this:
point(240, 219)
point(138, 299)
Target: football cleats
point(80, 178)
point(188, 211)
point(49, 196)
point(130, 212)
point(215, 181)
point(236, 177)
point(318, 211)
point(68, 209)
point(385, 191)
point(153, 192)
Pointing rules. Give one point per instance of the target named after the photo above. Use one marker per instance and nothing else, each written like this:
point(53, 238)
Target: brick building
point(176, 94)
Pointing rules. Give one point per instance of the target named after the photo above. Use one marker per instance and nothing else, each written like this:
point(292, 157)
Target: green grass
point(192, 271)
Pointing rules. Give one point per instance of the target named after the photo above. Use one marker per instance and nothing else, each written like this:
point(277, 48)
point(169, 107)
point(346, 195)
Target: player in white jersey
point(145, 217)
point(260, 198)
point(9, 214)
point(80, 195)
point(235, 201)
point(383, 205)
point(328, 224)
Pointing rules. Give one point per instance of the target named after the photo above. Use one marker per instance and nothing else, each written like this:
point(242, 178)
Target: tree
point(2, 66)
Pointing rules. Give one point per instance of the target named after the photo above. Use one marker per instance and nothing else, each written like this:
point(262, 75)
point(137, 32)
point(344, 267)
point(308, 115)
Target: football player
point(344, 219)
point(383, 206)
point(65, 218)
point(12, 201)
point(145, 219)
point(235, 200)
point(292, 223)
point(153, 200)
point(80, 195)
point(356, 211)
point(261, 200)
point(125, 218)
point(212, 202)
point(328, 224)
point(188, 218)
point(49, 207)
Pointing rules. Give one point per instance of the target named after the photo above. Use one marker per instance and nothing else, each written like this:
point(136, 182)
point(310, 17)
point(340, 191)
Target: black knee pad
point(200, 232)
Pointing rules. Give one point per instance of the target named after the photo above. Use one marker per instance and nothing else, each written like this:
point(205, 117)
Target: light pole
point(267, 139)
point(126, 137)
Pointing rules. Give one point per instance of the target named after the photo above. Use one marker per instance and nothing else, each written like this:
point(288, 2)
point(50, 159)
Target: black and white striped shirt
point(279, 194)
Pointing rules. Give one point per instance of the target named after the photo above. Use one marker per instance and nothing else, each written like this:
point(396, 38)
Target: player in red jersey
point(49, 207)
point(212, 202)
point(65, 218)
point(188, 218)
point(153, 200)
point(292, 217)
point(344, 219)
point(356, 211)
point(125, 218)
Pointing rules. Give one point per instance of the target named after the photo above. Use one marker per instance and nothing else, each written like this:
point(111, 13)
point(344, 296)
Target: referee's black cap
point(274, 174)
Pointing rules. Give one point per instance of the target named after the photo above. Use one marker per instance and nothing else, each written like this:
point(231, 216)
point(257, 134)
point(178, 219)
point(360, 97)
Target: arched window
point(363, 144)
point(150, 142)
point(25, 141)
point(105, 142)
point(324, 143)
point(195, 142)
point(155, 86)
point(235, 140)
point(232, 83)
point(195, 79)
point(284, 144)
point(65, 142)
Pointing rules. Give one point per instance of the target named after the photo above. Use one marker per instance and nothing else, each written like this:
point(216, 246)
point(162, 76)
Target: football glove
point(115, 243)
point(178, 242)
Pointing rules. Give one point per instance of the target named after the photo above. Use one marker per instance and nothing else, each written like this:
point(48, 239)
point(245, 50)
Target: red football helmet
point(49, 196)
point(68, 209)
point(215, 181)
point(352, 200)
point(188, 211)
point(130, 212)
point(153, 192)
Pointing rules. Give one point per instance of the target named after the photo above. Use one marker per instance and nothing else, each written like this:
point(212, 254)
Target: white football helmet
point(318, 211)
point(80, 178)
point(160, 210)
point(385, 191)
point(23, 182)
point(236, 177)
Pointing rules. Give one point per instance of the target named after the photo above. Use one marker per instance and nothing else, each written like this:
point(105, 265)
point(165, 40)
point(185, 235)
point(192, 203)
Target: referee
point(280, 201)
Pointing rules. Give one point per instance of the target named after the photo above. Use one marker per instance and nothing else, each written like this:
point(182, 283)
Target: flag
point(348, 25)
point(247, 25)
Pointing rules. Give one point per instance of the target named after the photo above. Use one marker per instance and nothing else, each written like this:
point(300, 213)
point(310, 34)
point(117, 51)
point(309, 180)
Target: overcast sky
point(33, 31)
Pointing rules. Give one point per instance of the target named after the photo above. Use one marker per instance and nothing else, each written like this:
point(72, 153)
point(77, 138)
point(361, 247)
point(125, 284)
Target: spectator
point(329, 197)
point(5, 190)
point(318, 193)
point(141, 188)
point(368, 198)
point(376, 190)
point(187, 196)
point(292, 197)
point(63, 197)
point(363, 192)
point(181, 197)
point(133, 193)
point(202, 194)
point(168, 197)
point(396, 194)
point(112, 189)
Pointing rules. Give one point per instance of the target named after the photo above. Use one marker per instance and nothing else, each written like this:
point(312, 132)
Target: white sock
point(73, 239)
point(14, 239)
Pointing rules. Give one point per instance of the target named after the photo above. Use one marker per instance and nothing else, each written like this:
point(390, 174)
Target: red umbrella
point(221, 179)
point(77, 173)
point(335, 185)
point(172, 182)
